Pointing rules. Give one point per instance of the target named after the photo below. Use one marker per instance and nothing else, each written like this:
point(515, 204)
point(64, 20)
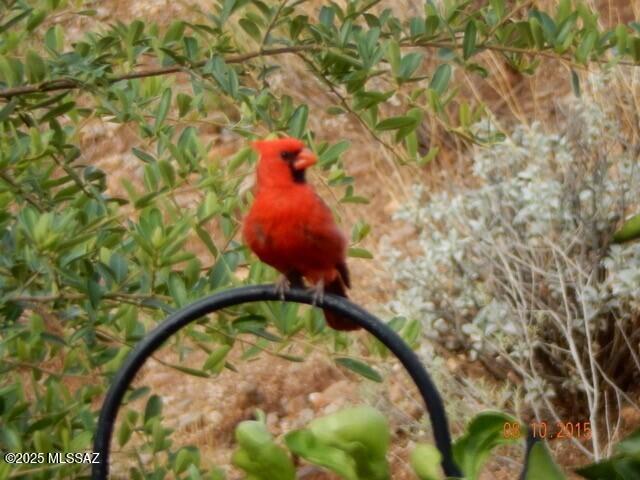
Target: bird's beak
point(305, 159)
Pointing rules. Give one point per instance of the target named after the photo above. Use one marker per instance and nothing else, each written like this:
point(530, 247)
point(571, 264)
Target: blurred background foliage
point(92, 257)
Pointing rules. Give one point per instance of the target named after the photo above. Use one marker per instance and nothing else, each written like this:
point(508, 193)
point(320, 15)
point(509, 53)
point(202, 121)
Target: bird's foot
point(318, 293)
point(282, 286)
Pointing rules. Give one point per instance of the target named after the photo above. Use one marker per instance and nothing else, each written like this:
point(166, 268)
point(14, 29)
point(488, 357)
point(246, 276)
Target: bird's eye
point(288, 156)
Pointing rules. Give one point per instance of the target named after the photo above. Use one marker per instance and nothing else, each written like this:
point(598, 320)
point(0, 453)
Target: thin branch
point(80, 296)
point(509, 16)
point(347, 107)
point(68, 84)
point(45, 370)
point(525, 51)
point(20, 191)
point(272, 24)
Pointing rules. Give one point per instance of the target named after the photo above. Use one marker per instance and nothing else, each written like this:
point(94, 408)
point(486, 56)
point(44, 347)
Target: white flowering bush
point(519, 271)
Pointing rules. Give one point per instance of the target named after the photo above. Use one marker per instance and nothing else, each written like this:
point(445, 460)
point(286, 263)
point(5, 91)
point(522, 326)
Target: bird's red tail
point(338, 322)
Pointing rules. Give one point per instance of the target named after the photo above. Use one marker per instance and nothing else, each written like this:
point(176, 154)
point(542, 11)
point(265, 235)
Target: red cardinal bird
point(290, 228)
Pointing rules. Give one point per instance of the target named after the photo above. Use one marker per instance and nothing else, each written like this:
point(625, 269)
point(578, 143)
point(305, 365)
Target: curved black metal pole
point(236, 296)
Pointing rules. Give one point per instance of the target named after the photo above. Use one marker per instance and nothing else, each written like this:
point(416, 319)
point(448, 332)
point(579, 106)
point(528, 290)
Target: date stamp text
point(549, 430)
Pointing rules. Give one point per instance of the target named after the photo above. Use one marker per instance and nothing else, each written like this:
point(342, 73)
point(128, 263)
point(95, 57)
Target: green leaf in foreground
point(541, 466)
point(259, 456)
point(484, 433)
point(304, 444)
point(425, 461)
point(352, 443)
point(623, 465)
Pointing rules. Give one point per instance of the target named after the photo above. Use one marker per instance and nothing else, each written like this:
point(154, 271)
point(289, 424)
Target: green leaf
point(360, 368)
point(361, 432)
point(359, 231)
point(240, 158)
point(548, 26)
point(124, 433)
point(586, 46)
point(163, 109)
point(575, 83)
point(206, 239)
point(622, 39)
point(429, 157)
point(8, 71)
point(409, 65)
point(259, 456)
point(394, 123)
point(251, 28)
point(498, 8)
point(358, 252)
point(224, 75)
point(36, 69)
point(331, 154)
point(94, 291)
point(9, 23)
point(630, 230)
point(431, 25)
point(541, 466)
point(393, 56)
point(36, 19)
point(298, 121)
point(305, 444)
point(417, 26)
point(536, 33)
point(623, 465)
point(118, 265)
point(54, 38)
point(81, 441)
point(635, 49)
point(216, 359)
point(484, 433)
point(425, 461)
point(194, 372)
point(153, 408)
point(175, 32)
point(144, 156)
point(469, 42)
point(177, 289)
point(630, 445)
point(8, 109)
point(183, 459)
point(440, 79)
point(167, 172)
point(57, 111)
point(326, 16)
point(184, 104)
point(158, 437)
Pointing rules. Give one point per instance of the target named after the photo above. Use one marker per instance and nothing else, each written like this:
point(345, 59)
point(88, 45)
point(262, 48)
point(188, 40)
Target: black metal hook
point(257, 293)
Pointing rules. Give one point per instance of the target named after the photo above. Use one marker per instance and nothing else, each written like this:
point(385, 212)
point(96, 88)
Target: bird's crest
point(277, 145)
